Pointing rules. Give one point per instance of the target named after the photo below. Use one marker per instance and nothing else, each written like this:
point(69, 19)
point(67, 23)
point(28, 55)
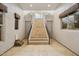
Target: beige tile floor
point(54, 49)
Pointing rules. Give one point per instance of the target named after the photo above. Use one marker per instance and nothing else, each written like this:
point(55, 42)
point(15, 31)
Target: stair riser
point(38, 43)
point(38, 40)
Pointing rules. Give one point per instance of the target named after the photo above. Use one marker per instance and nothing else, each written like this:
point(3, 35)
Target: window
point(38, 16)
point(71, 21)
point(1, 19)
point(68, 22)
point(17, 17)
point(1, 24)
point(76, 22)
point(16, 24)
point(0, 32)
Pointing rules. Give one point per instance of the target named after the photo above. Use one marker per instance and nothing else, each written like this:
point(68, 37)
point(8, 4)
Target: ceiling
point(39, 6)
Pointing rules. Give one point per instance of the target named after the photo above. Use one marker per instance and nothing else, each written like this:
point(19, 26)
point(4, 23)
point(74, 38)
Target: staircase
point(38, 33)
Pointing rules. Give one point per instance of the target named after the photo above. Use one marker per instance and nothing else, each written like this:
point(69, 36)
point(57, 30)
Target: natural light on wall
point(38, 16)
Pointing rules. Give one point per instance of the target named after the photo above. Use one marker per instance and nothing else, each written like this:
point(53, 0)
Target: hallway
point(29, 29)
point(54, 49)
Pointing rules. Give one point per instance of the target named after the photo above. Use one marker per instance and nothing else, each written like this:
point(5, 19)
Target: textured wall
point(10, 34)
point(69, 38)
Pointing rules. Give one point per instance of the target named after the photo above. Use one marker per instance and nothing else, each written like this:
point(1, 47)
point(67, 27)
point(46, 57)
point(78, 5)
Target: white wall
point(69, 38)
point(9, 28)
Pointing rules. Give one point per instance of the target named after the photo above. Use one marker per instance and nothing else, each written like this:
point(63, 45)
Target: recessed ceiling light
point(49, 5)
point(30, 5)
